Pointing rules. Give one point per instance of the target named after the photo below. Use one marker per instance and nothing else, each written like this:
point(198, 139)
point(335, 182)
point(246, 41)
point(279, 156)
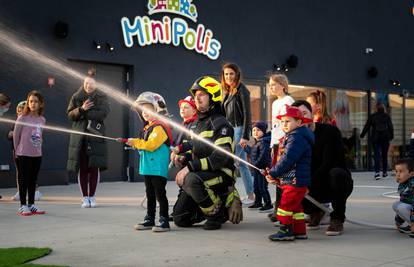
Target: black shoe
point(404, 229)
point(147, 224)
point(266, 208)
point(162, 226)
point(384, 175)
point(255, 206)
point(377, 176)
point(211, 225)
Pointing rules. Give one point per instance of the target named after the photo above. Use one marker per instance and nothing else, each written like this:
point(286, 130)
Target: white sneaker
point(246, 201)
point(86, 203)
point(92, 200)
point(16, 197)
point(24, 211)
point(35, 210)
point(38, 195)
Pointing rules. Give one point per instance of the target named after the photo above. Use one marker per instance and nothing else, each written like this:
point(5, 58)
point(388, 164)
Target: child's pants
point(290, 211)
point(155, 191)
point(87, 175)
point(28, 169)
point(403, 210)
point(260, 188)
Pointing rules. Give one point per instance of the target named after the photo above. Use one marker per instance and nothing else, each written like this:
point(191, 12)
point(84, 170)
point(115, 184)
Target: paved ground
point(104, 236)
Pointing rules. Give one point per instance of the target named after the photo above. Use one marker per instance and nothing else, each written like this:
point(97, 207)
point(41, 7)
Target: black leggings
point(155, 190)
point(28, 169)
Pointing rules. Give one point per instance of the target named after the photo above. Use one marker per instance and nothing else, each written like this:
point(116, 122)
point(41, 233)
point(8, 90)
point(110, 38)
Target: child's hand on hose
point(269, 178)
point(127, 141)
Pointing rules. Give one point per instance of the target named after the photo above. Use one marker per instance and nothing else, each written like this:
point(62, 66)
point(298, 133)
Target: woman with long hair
point(236, 106)
point(317, 100)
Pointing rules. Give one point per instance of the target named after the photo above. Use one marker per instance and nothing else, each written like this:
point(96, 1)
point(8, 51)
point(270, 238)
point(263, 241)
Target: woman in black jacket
point(236, 106)
point(382, 132)
point(87, 155)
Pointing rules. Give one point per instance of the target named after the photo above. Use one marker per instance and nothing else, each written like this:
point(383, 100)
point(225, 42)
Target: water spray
point(23, 50)
point(55, 128)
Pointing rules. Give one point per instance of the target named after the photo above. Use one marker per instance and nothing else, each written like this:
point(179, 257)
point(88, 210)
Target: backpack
point(166, 128)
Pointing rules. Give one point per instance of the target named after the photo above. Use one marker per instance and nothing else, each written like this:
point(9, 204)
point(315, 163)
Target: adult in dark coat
point(382, 132)
point(87, 155)
point(331, 181)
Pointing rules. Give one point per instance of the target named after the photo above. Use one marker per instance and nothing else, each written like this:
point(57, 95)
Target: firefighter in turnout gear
point(207, 181)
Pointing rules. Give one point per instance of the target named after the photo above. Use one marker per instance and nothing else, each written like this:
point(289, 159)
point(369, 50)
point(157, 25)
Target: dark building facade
point(164, 45)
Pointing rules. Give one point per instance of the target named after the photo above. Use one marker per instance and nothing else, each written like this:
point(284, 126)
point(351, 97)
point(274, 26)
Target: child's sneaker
point(24, 211)
point(255, 206)
point(301, 236)
point(266, 208)
point(38, 195)
point(377, 176)
point(35, 210)
point(384, 175)
point(85, 202)
point(404, 229)
point(92, 201)
point(285, 234)
point(16, 197)
point(162, 226)
point(147, 224)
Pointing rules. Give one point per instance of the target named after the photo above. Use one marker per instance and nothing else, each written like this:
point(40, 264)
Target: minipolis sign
point(143, 30)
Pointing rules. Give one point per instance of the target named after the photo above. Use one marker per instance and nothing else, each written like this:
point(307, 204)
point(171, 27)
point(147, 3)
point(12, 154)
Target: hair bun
point(92, 72)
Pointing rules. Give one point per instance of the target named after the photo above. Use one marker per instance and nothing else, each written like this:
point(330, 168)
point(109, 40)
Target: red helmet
point(293, 112)
point(189, 99)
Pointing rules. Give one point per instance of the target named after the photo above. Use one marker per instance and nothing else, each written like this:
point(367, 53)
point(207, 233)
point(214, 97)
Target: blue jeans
point(243, 169)
point(403, 210)
point(381, 155)
point(260, 189)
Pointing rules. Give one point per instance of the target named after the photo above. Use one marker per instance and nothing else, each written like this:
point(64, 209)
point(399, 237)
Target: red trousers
point(290, 210)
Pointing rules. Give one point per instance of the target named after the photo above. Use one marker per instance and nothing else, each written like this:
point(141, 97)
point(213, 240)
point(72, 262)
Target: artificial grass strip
point(19, 256)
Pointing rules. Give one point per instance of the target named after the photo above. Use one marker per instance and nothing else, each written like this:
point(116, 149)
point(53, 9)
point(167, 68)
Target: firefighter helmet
point(209, 85)
point(156, 100)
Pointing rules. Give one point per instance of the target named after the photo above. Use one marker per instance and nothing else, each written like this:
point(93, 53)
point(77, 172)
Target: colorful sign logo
point(179, 7)
point(145, 31)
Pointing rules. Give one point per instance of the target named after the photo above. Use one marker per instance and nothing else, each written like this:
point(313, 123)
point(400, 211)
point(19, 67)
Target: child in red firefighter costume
point(188, 111)
point(292, 174)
